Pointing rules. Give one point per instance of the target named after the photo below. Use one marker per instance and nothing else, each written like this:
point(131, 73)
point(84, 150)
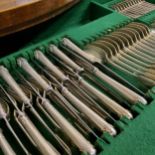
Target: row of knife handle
point(64, 82)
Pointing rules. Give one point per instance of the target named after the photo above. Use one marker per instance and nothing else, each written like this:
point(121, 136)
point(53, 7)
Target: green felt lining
point(83, 24)
point(138, 138)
